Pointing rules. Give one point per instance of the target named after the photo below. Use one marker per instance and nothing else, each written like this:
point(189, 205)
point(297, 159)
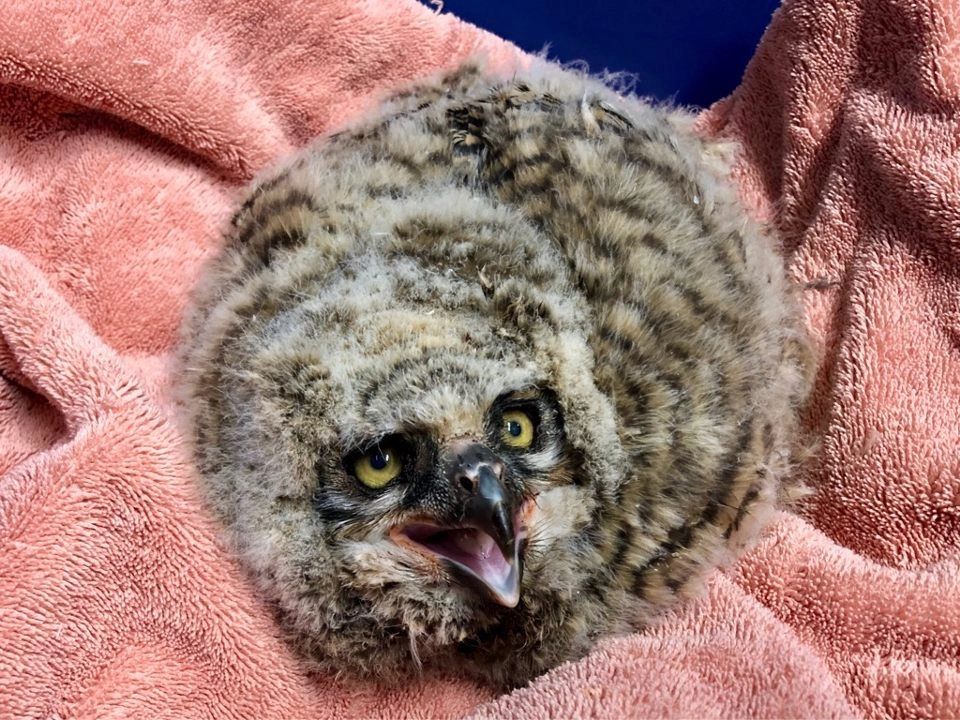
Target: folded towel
point(126, 133)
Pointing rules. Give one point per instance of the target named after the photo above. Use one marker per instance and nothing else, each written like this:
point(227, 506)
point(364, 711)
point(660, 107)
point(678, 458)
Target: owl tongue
point(476, 555)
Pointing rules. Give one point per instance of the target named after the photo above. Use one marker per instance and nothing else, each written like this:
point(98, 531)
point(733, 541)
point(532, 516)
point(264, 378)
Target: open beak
point(485, 548)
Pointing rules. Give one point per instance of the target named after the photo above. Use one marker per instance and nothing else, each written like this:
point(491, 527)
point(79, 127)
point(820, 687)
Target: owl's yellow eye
point(516, 429)
point(378, 467)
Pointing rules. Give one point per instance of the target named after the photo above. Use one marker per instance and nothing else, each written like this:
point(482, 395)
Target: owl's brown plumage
point(501, 371)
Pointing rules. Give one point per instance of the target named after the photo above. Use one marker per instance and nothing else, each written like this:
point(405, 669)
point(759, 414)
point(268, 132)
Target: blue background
point(691, 51)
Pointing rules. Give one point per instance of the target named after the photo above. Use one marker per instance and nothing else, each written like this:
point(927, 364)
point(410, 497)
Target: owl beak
point(500, 566)
point(485, 547)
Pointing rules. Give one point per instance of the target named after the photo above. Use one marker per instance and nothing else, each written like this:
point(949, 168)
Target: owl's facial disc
point(485, 548)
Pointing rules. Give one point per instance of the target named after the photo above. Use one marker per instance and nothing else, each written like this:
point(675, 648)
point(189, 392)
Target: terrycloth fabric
point(125, 132)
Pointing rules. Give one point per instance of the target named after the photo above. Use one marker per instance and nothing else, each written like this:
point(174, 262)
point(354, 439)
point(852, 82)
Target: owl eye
point(516, 430)
point(378, 467)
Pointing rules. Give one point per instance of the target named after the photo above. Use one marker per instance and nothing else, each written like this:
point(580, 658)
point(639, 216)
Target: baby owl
point(500, 370)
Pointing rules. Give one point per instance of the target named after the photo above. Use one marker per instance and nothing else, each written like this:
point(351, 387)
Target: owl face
point(456, 502)
point(466, 517)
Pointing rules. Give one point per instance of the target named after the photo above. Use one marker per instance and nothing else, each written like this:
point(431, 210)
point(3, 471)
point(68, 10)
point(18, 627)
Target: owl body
point(495, 373)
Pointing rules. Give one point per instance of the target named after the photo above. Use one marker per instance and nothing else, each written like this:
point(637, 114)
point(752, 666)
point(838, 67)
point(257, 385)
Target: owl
point(499, 370)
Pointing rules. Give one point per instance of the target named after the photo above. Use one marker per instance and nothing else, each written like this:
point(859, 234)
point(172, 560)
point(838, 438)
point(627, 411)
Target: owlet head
point(477, 381)
point(402, 432)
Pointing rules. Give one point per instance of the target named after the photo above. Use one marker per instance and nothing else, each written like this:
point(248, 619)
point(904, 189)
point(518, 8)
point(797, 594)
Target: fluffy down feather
point(481, 241)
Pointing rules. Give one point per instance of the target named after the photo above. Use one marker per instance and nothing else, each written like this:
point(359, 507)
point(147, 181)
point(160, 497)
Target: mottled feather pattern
point(477, 239)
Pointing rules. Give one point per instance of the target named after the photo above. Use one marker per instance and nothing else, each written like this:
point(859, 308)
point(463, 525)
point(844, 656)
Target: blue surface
point(690, 51)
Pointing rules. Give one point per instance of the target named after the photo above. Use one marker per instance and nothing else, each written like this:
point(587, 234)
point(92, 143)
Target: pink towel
point(126, 130)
